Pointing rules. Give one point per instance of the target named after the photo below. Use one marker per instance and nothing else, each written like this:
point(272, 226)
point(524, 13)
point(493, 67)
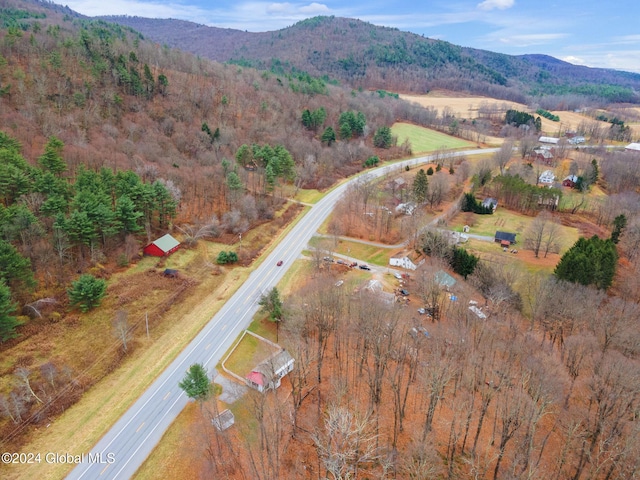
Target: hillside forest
point(109, 140)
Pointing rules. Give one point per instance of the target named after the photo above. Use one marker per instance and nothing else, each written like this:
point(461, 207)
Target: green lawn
point(367, 253)
point(249, 353)
point(501, 219)
point(309, 195)
point(508, 221)
point(426, 140)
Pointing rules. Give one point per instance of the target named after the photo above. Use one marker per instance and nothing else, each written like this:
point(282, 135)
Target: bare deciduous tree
point(543, 235)
point(347, 442)
point(122, 330)
point(503, 155)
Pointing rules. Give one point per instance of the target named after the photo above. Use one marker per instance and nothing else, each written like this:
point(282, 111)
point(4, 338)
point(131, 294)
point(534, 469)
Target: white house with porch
point(402, 262)
point(268, 374)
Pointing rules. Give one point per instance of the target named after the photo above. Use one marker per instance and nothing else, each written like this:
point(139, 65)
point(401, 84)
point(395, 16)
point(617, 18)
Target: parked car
point(328, 259)
point(279, 263)
point(404, 292)
point(341, 262)
point(364, 267)
point(398, 276)
point(422, 311)
point(354, 264)
point(339, 283)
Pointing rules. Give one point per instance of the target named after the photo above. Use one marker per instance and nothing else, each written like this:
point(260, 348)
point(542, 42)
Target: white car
point(397, 275)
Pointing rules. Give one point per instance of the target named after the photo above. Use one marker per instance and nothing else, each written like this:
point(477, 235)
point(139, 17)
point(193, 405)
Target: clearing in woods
point(426, 140)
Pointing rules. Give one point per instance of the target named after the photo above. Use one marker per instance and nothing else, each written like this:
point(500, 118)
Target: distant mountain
point(369, 56)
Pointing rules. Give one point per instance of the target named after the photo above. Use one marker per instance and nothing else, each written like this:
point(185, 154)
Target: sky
point(595, 33)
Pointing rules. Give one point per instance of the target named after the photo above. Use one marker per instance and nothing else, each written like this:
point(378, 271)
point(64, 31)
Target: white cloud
point(315, 9)
point(626, 60)
point(496, 4)
point(574, 60)
point(527, 40)
point(279, 8)
point(153, 9)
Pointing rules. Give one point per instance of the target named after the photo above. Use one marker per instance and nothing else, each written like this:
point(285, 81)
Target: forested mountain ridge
point(369, 56)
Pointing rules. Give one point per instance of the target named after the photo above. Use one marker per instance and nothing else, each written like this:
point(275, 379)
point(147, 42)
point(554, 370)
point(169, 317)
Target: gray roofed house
point(490, 203)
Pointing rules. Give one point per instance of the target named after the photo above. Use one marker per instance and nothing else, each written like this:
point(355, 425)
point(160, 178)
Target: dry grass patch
point(177, 455)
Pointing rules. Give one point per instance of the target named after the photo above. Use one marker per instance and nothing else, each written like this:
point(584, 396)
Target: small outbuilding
point(551, 140)
point(505, 238)
point(223, 420)
point(162, 247)
point(633, 147)
point(444, 279)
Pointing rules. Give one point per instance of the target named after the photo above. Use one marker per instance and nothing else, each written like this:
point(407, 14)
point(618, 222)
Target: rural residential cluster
point(332, 251)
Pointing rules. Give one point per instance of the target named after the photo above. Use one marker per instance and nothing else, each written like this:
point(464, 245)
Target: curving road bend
point(124, 448)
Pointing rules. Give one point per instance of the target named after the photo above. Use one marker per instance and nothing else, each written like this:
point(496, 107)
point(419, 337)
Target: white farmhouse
point(402, 262)
point(547, 177)
point(267, 375)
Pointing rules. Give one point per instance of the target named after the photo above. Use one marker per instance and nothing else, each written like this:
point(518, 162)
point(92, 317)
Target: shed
point(444, 279)
point(223, 420)
point(505, 237)
point(267, 375)
point(162, 247)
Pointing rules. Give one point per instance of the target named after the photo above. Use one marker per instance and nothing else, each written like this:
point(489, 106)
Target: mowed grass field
point(508, 221)
point(426, 140)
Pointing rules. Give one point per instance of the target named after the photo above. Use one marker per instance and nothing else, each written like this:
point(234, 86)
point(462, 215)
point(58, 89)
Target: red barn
point(162, 247)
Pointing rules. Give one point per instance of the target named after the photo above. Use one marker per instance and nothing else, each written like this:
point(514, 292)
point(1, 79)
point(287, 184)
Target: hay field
point(463, 106)
point(460, 105)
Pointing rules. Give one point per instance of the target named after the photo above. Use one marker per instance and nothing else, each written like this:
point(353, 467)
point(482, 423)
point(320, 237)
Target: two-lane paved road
point(137, 432)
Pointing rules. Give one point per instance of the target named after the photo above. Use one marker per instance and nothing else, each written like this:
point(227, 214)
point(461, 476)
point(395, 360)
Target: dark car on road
point(279, 263)
point(364, 267)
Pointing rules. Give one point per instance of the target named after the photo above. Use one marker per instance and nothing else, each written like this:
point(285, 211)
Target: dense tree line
point(470, 204)
point(53, 222)
point(518, 118)
point(589, 262)
point(515, 193)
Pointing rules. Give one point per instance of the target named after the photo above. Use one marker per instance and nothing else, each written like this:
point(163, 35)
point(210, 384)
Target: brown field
point(461, 106)
point(467, 107)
